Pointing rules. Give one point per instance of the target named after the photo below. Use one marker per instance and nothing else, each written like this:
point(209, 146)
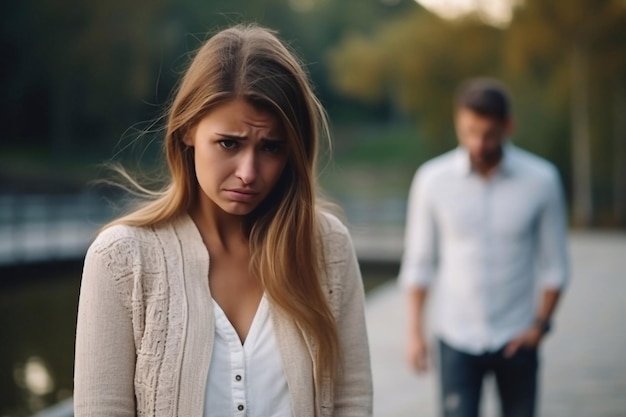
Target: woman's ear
point(187, 136)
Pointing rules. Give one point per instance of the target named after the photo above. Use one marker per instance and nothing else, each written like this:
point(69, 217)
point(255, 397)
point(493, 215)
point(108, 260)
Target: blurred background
point(84, 83)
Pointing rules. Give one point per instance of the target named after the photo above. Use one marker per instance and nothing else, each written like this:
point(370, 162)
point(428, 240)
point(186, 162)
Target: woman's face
point(240, 153)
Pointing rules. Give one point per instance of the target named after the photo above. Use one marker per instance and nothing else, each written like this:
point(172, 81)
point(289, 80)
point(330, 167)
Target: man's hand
point(529, 339)
point(416, 348)
point(533, 335)
point(417, 353)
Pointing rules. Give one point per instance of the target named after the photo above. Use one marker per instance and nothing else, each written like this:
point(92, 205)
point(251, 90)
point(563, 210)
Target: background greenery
point(82, 80)
point(86, 82)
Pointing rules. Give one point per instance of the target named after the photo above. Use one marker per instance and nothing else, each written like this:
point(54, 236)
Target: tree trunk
point(619, 154)
point(581, 149)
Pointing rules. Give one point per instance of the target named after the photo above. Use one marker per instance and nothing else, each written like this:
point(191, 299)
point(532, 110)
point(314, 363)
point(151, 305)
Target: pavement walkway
point(584, 368)
point(584, 364)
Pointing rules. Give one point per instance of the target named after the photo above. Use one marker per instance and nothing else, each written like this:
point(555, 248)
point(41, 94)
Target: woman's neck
point(221, 231)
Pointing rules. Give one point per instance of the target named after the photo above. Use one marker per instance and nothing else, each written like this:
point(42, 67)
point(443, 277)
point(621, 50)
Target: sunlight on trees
point(91, 71)
point(575, 45)
point(416, 62)
point(495, 12)
point(560, 57)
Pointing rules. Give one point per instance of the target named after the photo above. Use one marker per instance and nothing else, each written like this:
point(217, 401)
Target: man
point(487, 220)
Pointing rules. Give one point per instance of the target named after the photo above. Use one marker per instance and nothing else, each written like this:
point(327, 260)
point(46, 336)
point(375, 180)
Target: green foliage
point(83, 80)
point(83, 76)
point(416, 61)
point(396, 145)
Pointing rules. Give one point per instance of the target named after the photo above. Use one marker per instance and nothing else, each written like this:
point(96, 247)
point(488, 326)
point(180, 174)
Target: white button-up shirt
point(490, 242)
point(246, 380)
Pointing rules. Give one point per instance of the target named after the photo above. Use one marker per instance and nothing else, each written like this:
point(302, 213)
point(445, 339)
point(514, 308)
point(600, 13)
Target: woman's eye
point(228, 143)
point(273, 147)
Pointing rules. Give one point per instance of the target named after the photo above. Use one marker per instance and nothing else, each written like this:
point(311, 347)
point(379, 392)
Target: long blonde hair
point(249, 62)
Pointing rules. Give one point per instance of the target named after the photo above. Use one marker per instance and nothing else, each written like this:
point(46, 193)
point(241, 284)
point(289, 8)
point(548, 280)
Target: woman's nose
point(246, 167)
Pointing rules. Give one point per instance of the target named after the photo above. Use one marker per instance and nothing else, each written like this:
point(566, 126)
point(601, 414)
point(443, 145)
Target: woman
point(230, 293)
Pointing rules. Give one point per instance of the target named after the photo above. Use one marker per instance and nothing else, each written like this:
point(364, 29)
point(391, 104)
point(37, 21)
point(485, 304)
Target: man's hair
point(485, 96)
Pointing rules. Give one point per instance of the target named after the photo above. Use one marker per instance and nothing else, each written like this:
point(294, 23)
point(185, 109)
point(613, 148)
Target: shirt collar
point(505, 167)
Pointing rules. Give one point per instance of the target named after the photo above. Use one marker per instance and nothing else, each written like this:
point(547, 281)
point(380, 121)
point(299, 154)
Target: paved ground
point(584, 363)
point(584, 371)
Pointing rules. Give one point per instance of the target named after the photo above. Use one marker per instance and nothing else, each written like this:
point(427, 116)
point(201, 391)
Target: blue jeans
point(462, 377)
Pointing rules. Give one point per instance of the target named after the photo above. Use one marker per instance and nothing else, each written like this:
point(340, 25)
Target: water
point(43, 240)
point(38, 321)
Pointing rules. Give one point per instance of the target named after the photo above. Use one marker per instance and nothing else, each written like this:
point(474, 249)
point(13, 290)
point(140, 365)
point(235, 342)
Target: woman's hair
point(249, 62)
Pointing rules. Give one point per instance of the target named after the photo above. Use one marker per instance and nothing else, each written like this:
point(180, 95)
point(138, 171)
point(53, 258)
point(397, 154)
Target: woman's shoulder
point(121, 247)
point(330, 224)
point(121, 234)
point(335, 238)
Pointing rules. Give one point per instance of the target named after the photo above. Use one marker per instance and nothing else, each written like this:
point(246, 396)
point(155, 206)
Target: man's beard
point(488, 159)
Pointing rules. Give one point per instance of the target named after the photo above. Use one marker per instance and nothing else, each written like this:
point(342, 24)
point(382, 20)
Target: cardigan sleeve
point(105, 348)
point(353, 386)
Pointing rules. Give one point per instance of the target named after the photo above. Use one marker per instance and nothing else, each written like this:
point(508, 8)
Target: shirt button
point(238, 378)
point(240, 407)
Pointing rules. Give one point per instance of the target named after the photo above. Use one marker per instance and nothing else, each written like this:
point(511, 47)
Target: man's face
point(482, 136)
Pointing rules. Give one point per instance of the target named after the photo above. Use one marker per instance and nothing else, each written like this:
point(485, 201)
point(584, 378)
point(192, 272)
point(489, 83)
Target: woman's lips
point(241, 195)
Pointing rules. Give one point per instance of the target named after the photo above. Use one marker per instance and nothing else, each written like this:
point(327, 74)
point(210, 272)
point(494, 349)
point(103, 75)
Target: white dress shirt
point(246, 380)
point(490, 242)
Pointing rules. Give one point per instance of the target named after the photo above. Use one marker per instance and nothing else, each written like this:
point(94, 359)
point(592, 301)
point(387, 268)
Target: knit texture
point(146, 326)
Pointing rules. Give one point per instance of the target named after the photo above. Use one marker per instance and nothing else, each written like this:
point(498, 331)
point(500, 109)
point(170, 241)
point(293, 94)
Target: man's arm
point(418, 269)
point(533, 336)
point(552, 265)
point(549, 300)
point(416, 346)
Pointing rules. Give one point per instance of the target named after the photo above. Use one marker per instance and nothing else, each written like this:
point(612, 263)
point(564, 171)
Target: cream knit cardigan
point(146, 326)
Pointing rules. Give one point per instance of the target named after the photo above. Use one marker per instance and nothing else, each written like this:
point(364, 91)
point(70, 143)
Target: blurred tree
point(619, 154)
point(572, 54)
point(79, 74)
point(569, 43)
point(86, 64)
point(314, 29)
point(417, 61)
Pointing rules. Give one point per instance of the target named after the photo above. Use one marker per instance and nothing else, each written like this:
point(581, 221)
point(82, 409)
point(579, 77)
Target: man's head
point(483, 120)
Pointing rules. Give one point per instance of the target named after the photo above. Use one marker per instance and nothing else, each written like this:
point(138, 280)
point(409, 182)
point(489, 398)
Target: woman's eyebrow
point(232, 136)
